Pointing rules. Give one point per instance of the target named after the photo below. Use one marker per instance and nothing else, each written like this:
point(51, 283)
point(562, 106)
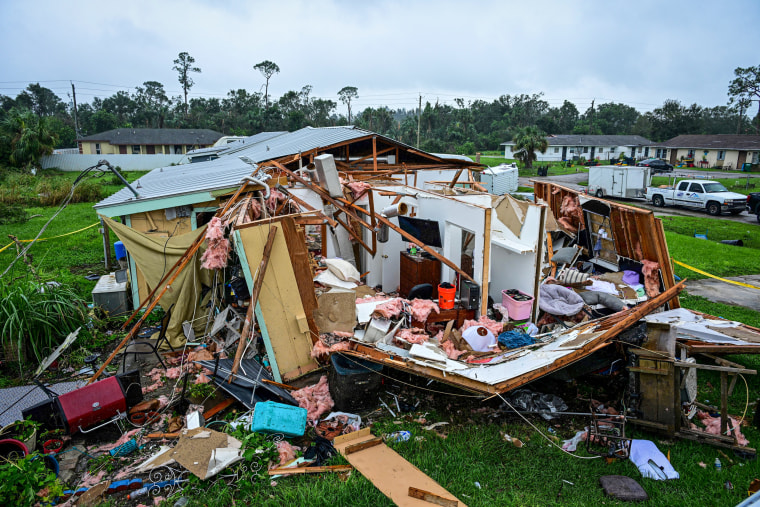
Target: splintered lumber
point(362, 445)
point(310, 470)
point(254, 298)
point(389, 472)
point(427, 496)
point(218, 408)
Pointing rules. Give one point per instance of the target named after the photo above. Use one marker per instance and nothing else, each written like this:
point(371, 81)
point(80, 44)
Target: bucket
point(517, 310)
point(446, 297)
point(120, 250)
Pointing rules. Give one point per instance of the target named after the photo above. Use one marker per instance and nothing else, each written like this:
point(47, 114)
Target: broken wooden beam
point(421, 494)
point(310, 470)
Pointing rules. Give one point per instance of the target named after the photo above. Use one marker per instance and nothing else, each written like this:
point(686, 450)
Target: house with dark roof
point(573, 147)
point(135, 141)
point(727, 151)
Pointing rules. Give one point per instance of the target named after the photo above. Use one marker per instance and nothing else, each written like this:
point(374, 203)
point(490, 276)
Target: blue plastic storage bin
point(272, 417)
point(120, 250)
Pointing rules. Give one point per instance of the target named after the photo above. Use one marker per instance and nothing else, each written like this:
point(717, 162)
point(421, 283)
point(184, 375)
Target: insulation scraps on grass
point(217, 253)
point(315, 399)
point(413, 335)
point(651, 271)
point(490, 324)
point(389, 309)
point(712, 426)
point(422, 308)
point(287, 453)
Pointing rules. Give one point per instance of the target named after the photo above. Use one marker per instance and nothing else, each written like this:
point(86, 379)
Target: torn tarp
point(248, 386)
point(525, 400)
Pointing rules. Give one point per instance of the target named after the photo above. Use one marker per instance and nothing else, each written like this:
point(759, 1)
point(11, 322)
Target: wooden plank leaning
point(254, 299)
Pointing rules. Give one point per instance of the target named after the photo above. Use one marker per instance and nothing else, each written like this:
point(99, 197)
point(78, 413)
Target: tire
point(713, 208)
point(600, 193)
point(658, 201)
point(758, 221)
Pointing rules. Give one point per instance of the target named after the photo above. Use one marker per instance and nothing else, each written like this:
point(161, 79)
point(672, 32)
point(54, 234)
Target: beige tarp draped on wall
point(154, 255)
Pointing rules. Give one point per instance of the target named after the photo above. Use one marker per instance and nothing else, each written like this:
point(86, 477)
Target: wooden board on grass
point(389, 472)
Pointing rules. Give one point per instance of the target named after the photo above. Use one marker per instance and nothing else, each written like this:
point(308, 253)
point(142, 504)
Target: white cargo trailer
point(618, 181)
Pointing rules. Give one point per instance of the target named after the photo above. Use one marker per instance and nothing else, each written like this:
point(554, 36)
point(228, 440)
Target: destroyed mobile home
point(341, 247)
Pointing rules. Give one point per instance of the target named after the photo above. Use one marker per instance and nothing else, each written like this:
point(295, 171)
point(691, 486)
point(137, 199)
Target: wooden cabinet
point(417, 269)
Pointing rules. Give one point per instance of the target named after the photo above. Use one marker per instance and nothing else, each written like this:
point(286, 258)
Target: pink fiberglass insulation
point(572, 215)
point(422, 308)
point(359, 188)
point(315, 399)
point(255, 207)
point(320, 349)
point(490, 324)
point(371, 299)
point(451, 350)
point(651, 277)
point(218, 250)
point(712, 426)
point(274, 199)
point(201, 379)
point(413, 335)
point(389, 309)
point(287, 453)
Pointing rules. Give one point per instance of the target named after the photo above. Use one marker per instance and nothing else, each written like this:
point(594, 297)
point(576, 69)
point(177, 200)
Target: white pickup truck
point(710, 196)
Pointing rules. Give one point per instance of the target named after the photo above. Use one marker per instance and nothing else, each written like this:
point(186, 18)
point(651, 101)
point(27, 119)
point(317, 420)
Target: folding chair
point(148, 346)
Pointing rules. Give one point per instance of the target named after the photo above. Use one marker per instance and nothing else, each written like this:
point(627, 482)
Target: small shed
point(500, 180)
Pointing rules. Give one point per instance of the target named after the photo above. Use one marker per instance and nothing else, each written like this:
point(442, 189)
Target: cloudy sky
point(636, 52)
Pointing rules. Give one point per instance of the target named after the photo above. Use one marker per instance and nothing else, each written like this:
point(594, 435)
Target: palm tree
point(528, 141)
point(29, 137)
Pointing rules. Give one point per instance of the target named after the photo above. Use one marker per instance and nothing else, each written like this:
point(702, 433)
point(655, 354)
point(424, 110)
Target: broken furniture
point(142, 347)
point(660, 378)
point(418, 269)
point(90, 407)
point(458, 314)
point(405, 484)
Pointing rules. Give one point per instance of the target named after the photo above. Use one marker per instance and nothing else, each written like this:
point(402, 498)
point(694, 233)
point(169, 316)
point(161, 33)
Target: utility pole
point(591, 125)
point(419, 117)
point(74, 96)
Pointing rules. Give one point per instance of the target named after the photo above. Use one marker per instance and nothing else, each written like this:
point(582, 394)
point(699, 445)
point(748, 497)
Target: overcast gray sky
point(636, 52)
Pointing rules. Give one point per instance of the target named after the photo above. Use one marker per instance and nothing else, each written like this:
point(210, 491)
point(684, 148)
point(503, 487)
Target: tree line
point(37, 113)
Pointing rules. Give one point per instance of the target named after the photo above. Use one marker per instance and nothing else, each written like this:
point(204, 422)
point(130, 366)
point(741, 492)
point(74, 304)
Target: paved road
point(572, 180)
point(726, 293)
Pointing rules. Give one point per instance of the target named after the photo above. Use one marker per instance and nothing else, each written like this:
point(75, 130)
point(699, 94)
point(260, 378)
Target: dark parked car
point(656, 165)
point(753, 203)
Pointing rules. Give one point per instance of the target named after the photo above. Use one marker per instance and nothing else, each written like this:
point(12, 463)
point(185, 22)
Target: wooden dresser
point(417, 269)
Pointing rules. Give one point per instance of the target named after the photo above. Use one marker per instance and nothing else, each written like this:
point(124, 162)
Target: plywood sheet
point(280, 302)
point(389, 472)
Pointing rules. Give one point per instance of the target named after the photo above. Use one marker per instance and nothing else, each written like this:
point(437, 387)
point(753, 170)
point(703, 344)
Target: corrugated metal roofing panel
point(227, 170)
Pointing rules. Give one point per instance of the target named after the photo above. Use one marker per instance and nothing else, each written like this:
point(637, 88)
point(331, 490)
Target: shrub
point(28, 482)
point(12, 214)
point(37, 317)
point(52, 191)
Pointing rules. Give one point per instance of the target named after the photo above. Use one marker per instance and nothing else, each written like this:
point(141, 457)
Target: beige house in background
point(725, 151)
point(134, 141)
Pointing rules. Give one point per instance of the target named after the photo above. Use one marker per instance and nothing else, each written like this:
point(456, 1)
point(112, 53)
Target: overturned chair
point(142, 347)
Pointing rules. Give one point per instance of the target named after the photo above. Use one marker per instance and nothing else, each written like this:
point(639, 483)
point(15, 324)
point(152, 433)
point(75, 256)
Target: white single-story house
point(572, 146)
point(727, 151)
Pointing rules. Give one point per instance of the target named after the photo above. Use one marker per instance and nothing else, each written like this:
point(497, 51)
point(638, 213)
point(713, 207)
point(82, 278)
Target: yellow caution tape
point(52, 237)
point(716, 277)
